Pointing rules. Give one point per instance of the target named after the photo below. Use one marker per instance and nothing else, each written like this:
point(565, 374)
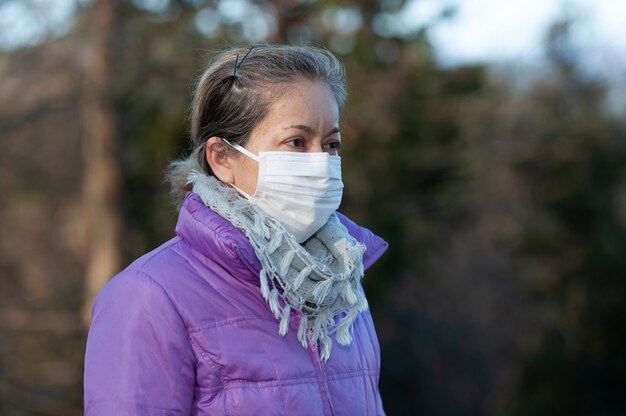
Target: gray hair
point(229, 104)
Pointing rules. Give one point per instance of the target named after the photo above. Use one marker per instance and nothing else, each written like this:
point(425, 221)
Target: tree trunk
point(2, 381)
point(101, 181)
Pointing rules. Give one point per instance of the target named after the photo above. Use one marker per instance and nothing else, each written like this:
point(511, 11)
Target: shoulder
point(178, 280)
point(129, 294)
point(147, 274)
point(147, 284)
point(138, 352)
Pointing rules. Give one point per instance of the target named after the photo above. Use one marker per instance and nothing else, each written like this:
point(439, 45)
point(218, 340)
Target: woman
point(256, 306)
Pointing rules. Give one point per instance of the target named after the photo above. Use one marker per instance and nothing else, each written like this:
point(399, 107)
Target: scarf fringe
point(319, 278)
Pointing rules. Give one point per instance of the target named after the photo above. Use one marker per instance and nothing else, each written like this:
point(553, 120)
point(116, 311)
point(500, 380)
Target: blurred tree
point(2, 412)
point(101, 177)
point(447, 164)
point(577, 161)
point(404, 154)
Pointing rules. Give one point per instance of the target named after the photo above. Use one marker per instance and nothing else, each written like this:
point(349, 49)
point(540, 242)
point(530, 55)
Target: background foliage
point(501, 192)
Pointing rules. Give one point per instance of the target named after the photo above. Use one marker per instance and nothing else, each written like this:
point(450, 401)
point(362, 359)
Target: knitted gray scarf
point(320, 278)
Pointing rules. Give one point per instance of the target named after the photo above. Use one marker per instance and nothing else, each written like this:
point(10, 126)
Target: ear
point(219, 159)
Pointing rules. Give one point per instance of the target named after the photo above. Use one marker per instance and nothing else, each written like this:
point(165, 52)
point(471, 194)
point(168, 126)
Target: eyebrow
point(311, 130)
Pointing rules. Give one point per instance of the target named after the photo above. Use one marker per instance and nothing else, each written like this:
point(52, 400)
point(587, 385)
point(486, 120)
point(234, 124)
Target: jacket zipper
point(321, 373)
point(319, 367)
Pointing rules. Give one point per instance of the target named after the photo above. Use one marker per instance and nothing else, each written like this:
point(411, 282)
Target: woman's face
point(305, 118)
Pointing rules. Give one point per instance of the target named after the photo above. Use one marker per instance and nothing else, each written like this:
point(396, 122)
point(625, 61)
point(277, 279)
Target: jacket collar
point(216, 238)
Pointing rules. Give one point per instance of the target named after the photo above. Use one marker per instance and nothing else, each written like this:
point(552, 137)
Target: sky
point(507, 31)
point(512, 31)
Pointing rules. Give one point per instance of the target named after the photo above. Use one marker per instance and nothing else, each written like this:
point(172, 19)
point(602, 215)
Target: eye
point(332, 147)
point(297, 143)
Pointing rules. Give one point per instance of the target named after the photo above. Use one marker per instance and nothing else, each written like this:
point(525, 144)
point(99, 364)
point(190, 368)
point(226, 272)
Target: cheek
point(245, 174)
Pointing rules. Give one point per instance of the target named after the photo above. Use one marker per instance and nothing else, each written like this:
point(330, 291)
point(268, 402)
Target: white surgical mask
point(298, 189)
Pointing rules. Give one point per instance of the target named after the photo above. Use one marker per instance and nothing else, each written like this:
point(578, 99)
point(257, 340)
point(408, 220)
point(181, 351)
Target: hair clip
point(238, 63)
point(235, 66)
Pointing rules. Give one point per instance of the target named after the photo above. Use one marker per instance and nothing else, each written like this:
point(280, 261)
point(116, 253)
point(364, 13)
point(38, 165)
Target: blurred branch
point(53, 321)
point(34, 403)
point(39, 110)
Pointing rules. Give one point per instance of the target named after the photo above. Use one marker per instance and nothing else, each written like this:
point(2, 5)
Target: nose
point(315, 147)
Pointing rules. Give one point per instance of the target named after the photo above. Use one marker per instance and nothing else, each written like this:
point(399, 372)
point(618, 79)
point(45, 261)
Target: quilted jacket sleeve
point(138, 359)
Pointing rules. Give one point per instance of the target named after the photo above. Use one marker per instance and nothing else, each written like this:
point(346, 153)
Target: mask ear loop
point(245, 152)
point(241, 149)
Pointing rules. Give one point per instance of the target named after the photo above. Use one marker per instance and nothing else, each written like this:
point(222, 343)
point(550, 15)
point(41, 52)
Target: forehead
point(307, 101)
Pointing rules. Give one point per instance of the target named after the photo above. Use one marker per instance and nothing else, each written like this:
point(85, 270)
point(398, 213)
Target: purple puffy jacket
point(184, 330)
